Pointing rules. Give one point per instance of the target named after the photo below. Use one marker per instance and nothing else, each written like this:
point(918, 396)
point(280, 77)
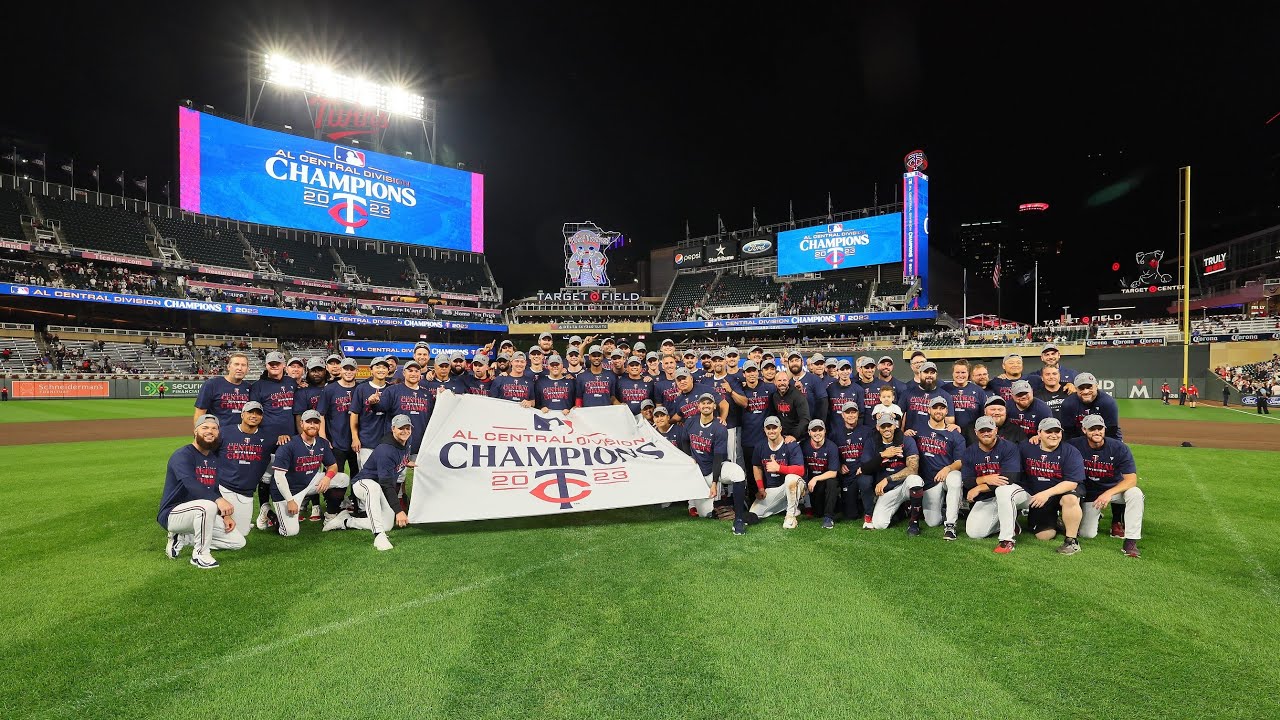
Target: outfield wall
point(121, 389)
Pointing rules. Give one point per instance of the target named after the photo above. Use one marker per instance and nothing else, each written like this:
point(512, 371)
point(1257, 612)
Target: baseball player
point(367, 419)
point(1052, 357)
point(646, 410)
point(885, 377)
point(664, 384)
point(1026, 411)
point(981, 377)
point(296, 369)
point(996, 410)
point(941, 447)
point(709, 446)
point(890, 463)
point(778, 469)
point(850, 435)
point(546, 343)
point(752, 396)
point(822, 465)
point(335, 407)
point(1051, 391)
point(536, 358)
point(810, 386)
point(919, 397)
point(191, 510)
point(1110, 478)
point(421, 354)
point(274, 390)
point(554, 392)
point(307, 396)
point(685, 406)
point(412, 399)
point(841, 391)
point(440, 377)
point(675, 433)
point(1052, 480)
point(224, 395)
point(517, 385)
point(1012, 373)
point(333, 364)
point(392, 368)
point(597, 385)
point(866, 369)
point(305, 466)
point(375, 487)
point(990, 463)
point(635, 387)
point(479, 381)
point(244, 454)
point(1087, 400)
point(616, 360)
point(652, 365)
point(967, 399)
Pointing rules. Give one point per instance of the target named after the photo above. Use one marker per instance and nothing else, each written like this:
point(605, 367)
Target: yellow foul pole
point(1184, 246)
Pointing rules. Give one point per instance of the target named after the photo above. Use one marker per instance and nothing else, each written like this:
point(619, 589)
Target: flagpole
point(1037, 311)
point(73, 174)
point(44, 170)
point(999, 290)
point(964, 310)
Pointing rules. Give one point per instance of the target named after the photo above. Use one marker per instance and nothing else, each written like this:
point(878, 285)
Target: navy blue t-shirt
point(1029, 420)
point(938, 449)
point(818, 460)
point(300, 463)
point(788, 454)
point(373, 422)
point(244, 458)
point(415, 402)
point(554, 394)
point(967, 403)
point(633, 392)
point(223, 399)
point(1074, 409)
point(515, 389)
point(915, 406)
point(276, 397)
point(1002, 459)
point(334, 405)
point(1042, 469)
point(594, 389)
point(707, 441)
point(757, 409)
point(1105, 467)
point(190, 475)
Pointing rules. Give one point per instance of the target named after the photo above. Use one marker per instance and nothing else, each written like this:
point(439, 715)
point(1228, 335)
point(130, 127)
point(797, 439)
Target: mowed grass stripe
point(635, 612)
point(1208, 410)
point(34, 411)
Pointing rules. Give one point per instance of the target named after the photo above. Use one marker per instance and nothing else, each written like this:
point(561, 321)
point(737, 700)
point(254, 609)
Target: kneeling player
point(191, 510)
point(708, 444)
point(940, 450)
point(375, 487)
point(1052, 478)
point(1110, 476)
point(305, 466)
point(990, 463)
point(890, 463)
point(822, 464)
point(778, 467)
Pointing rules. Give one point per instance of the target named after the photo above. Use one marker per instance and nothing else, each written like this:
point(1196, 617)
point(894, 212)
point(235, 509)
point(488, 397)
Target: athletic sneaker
point(173, 547)
point(866, 523)
point(913, 529)
point(949, 533)
point(828, 523)
point(337, 522)
point(204, 562)
point(1117, 529)
point(261, 522)
point(381, 542)
point(315, 513)
point(1069, 548)
point(693, 512)
point(1005, 547)
point(739, 527)
point(790, 523)
point(1131, 549)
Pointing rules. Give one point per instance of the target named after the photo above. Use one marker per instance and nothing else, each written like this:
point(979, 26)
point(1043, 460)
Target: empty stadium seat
point(204, 244)
point(12, 208)
point(687, 290)
point(375, 269)
point(98, 228)
point(294, 258)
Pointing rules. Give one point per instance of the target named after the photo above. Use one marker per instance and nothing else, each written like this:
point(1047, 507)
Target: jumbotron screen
point(232, 170)
point(852, 243)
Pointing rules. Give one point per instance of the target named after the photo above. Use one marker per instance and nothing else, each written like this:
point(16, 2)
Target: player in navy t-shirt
point(890, 467)
point(224, 395)
point(305, 466)
point(988, 465)
point(778, 469)
point(596, 384)
point(709, 446)
point(1087, 400)
point(822, 465)
point(244, 455)
point(941, 447)
point(634, 388)
point(1053, 481)
point(335, 406)
point(191, 510)
point(1026, 411)
point(554, 392)
point(850, 435)
point(1110, 477)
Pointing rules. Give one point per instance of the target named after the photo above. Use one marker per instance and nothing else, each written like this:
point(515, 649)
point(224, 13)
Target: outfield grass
point(1204, 412)
point(637, 613)
point(26, 411)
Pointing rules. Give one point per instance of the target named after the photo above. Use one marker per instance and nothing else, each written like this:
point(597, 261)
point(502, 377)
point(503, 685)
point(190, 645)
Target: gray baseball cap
point(994, 400)
point(844, 364)
point(595, 350)
point(480, 360)
point(1092, 421)
point(206, 418)
point(864, 361)
point(1085, 378)
point(505, 343)
point(251, 405)
point(646, 403)
point(422, 344)
point(756, 348)
point(885, 418)
point(651, 355)
point(334, 357)
point(1049, 347)
point(831, 363)
point(817, 358)
point(850, 406)
point(816, 423)
point(298, 360)
point(706, 396)
point(535, 350)
point(773, 421)
point(517, 355)
point(411, 363)
point(984, 423)
point(275, 357)
point(795, 354)
point(1020, 386)
point(669, 341)
point(929, 366)
point(638, 346)
point(575, 339)
point(616, 354)
point(443, 359)
point(349, 363)
point(683, 372)
point(555, 359)
point(314, 363)
point(659, 410)
point(1011, 356)
point(633, 360)
point(400, 421)
point(379, 361)
point(573, 351)
point(937, 400)
point(546, 336)
point(750, 365)
point(311, 415)
point(731, 351)
point(1049, 424)
point(717, 353)
point(504, 357)
point(690, 353)
point(886, 358)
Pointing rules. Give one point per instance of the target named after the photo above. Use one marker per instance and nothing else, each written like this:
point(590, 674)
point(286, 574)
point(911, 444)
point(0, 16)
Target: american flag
point(995, 274)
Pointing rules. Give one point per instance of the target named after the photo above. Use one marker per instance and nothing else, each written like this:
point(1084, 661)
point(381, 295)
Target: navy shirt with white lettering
point(633, 392)
point(837, 396)
point(515, 389)
point(889, 466)
point(938, 449)
point(244, 458)
point(966, 402)
point(223, 399)
point(300, 463)
point(1104, 467)
point(915, 405)
point(372, 422)
point(850, 441)
point(815, 392)
point(417, 403)
point(678, 436)
point(1074, 409)
point(1029, 420)
point(334, 405)
point(595, 389)
point(821, 459)
point(758, 408)
point(276, 397)
point(788, 453)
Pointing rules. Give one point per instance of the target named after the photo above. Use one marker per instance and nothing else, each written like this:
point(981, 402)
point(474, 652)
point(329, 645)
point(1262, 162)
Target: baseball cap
point(704, 355)
point(633, 360)
point(1049, 347)
point(575, 339)
point(683, 372)
point(717, 354)
point(506, 343)
point(1092, 421)
point(412, 363)
point(937, 400)
point(773, 421)
point(885, 418)
point(750, 365)
point(1085, 378)
point(886, 358)
point(616, 353)
point(706, 396)
point(1020, 386)
point(480, 360)
point(844, 364)
point(400, 421)
point(865, 361)
point(816, 423)
point(690, 353)
point(595, 350)
point(298, 360)
point(984, 423)
point(768, 363)
point(794, 354)
point(535, 350)
point(422, 344)
point(443, 359)
point(638, 346)
point(929, 366)
point(555, 359)
point(275, 357)
point(314, 363)
point(607, 340)
point(504, 357)
point(379, 361)
point(918, 353)
point(831, 363)
point(545, 336)
point(333, 357)
point(251, 405)
point(651, 355)
point(658, 409)
point(574, 351)
point(731, 351)
point(756, 348)
point(849, 406)
point(349, 363)
point(311, 415)
point(994, 400)
point(1011, 356)
point(207, 418)
point(1049, 424)
point(668, 341)
point(517, 355)
point(646, 403)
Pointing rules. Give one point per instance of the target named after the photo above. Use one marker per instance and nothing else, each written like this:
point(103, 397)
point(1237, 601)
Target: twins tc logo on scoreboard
point(835, 245)
point(349, 190)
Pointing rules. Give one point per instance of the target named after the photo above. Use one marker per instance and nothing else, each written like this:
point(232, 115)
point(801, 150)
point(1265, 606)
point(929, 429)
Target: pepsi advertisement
point(836, 246)
point(228, 169)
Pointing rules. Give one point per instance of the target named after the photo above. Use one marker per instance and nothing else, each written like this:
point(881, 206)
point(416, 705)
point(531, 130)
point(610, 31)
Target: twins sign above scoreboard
point(835, 246)
point(232, 170)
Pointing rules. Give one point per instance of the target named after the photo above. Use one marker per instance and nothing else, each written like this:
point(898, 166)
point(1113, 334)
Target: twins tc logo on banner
point(344, 185)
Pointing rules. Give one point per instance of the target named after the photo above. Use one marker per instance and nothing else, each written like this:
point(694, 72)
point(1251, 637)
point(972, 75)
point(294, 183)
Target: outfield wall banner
point(172, 388)
point(1252, 401)
point(483, 458)
point(1125, 342)
point(99, 296)
point(792, 320)
point(1236, 337)
point(57, 389)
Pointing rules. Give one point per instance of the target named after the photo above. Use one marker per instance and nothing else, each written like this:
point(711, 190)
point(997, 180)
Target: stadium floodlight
point(326, 82)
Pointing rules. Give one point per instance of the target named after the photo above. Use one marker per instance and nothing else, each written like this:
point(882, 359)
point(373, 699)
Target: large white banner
point(484, 458)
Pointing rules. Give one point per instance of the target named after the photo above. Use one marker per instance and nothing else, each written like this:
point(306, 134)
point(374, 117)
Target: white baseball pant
point(783, 497)
point(887, 504)
point(363, 455)
point(1134, 502)
point(933, 498)
point(241, 509)
point(288, 524)
point(199, 519)
point(735, 449)
point(729, 473)
point(1009, 500)
point(380, 517)
point(983, 519)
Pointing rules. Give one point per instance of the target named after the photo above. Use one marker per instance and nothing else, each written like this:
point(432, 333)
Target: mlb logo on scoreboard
point(348, 156)
point(838, 227)
point(20, 290)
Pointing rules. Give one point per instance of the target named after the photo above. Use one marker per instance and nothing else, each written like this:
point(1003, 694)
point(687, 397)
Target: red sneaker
point(1005, 547)
point(693, 512)
point(866, 523)
point(1117, 529)
point(1131, 549)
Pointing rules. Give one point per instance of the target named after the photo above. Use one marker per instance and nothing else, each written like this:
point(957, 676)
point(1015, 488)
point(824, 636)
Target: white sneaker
point(261, 522)
point(381, 542)
point(315, 513)
point(337, 522)
point(204, 562)
point(173, 546)
point(790, 523)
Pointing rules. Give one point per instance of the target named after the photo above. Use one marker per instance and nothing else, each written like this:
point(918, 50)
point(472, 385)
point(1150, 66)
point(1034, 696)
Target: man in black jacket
point(790, 406)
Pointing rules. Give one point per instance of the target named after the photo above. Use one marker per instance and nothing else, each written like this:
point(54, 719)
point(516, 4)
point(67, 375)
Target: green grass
point(1204, 412)
point(637, 613)
point(25, 411)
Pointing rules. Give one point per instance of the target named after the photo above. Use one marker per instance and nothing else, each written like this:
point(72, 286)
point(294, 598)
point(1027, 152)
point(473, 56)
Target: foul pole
point(1184, 248)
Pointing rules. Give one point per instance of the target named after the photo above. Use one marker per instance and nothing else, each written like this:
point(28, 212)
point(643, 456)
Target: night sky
point(643, 117)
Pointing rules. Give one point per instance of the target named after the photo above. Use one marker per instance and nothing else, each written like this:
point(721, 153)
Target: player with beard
point(1026, 411)
point(890, 463)
point(479, 380)
point(223, 396)
point(422, 354)
point(917, 401)
point(982, 378)
point(708, 444)
point(790, 406)
point(305, 466)
point(1088, 401)
point(635, 388)
point(1052, 358)
point(690, 361)
point(967, 399)
point(554, 392)
point(517, 385)
point(546, 343)
point(751, 397)
point(810, 386)
point(375, 487)
point(840, 391)
point(501, 365)
point(191, 510)
point(884, 377)
point(704, 366)
point(722, 385)
point(822, 465)
point(664, 385)
point(244, 454)
point(274, 391)
point(307, 397)
point(597, 385)
point(941, 447)
point(1052, 481)
point(1110, 478)
point(996, 409)
point(335, 406)
point(986, 466)
point(778, 470)
point(850, 436)
point(866, 368)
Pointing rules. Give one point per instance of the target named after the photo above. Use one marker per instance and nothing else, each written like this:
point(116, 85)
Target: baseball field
point(639, 613)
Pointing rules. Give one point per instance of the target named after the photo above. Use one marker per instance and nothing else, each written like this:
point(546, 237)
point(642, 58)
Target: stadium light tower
point(328, 85)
